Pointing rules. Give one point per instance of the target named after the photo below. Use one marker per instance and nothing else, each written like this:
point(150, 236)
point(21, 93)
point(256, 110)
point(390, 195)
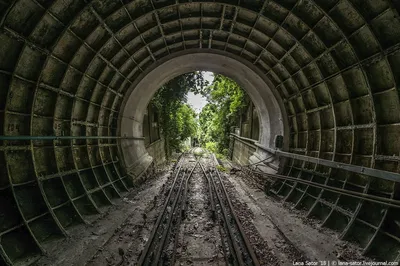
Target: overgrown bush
point(226, 101)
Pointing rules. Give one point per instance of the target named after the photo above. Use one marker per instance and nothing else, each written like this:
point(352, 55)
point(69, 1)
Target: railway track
point(162, 245)
point(240, 251)
point(151, 255)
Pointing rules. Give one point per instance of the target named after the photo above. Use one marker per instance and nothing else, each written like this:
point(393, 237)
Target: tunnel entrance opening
point(199, 109)
point(271, 119)
point(177, 120)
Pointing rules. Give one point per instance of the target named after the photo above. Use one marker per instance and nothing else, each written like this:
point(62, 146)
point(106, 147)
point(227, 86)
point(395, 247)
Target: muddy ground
point(279, 235)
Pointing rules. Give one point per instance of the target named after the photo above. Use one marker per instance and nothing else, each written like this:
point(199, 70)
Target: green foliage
point(211, 146)
point(221, 168)
point(221, 156)
point(181, 125)
point(177, 119)
point(226, 100)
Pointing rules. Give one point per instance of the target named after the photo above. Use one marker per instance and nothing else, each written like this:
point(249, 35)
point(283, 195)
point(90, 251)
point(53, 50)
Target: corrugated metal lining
point(65, 67)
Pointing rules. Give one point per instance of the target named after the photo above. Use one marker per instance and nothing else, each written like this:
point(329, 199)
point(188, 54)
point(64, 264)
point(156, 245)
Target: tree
point(226, 100)
point(177, 119)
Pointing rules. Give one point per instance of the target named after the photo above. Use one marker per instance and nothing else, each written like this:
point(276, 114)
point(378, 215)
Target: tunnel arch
point(66, 67)
point(140, 94)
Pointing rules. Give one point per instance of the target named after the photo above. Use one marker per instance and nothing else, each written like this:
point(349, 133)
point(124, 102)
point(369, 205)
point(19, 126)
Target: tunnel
point(76, 77)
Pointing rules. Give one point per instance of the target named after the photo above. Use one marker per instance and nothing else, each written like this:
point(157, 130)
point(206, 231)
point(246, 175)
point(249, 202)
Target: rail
point(175, 200)
point(182, 189)
point(146, 250)
point(65, 137)
point(338, 165)
point(363, 196)
point(213, 216)
point(246, 141)
point(251, 143)
point(220, 191)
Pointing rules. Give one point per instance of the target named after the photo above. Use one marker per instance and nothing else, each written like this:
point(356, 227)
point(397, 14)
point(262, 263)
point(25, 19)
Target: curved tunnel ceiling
point(66, 65)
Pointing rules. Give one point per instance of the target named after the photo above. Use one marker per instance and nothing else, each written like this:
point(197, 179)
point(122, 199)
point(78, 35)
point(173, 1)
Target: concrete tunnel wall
point(66, 67)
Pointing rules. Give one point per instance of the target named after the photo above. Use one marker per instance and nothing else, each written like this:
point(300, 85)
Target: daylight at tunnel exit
point(179, 132)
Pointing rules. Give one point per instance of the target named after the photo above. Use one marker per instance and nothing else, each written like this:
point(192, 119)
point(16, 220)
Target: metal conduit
point(349, 167)
point(376, 199)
